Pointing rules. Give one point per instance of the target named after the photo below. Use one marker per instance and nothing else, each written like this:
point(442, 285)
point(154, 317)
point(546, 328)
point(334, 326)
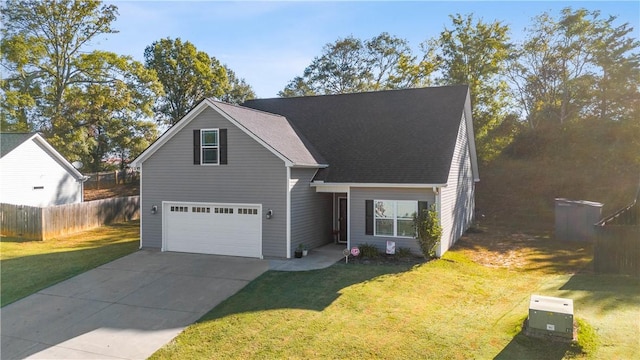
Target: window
point(243, 211)
point(209, 146)
point(223, 210)
point(394, 218)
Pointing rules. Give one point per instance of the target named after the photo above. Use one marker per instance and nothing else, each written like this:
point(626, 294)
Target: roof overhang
point(471, 137)
point(344, 187)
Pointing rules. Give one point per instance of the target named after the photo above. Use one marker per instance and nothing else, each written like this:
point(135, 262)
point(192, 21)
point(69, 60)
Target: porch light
point(154, 209)
point(269, 213)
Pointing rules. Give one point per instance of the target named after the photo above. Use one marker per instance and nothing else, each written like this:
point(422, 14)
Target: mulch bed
point(384, 259)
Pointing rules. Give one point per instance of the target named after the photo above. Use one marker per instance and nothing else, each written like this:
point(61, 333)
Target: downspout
point(140, 209)
point(438, 202)
point(288, 211)
point(82, 180)
point(349, 218)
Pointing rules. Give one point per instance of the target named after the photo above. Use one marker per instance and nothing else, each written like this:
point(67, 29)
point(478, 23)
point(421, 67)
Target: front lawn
point(28, 266)
point(469, 304)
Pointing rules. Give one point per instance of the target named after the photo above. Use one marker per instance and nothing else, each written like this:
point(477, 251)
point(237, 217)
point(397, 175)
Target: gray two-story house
point(259, 179)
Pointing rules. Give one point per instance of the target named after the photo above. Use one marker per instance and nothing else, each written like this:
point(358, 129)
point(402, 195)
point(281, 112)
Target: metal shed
point(575, 219)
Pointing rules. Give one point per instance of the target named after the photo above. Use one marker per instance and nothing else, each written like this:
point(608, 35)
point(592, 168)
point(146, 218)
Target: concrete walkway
point(126, 309)
point(318, 258)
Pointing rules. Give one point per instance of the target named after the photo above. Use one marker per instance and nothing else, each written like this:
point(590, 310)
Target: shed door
point(213, 228)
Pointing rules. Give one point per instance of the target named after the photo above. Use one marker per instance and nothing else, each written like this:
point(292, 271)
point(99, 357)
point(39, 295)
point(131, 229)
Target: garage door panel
point(222, 229)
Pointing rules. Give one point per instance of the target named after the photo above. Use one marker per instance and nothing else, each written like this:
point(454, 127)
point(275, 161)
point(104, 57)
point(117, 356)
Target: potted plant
point(305, 251)
point(298, 252)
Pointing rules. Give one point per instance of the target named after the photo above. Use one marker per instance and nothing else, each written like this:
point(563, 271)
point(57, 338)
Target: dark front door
point(342, 220)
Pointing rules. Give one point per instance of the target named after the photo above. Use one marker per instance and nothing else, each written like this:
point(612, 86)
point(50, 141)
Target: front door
point(342, 220)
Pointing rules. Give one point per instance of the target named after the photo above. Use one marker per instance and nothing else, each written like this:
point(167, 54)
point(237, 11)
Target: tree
point(352, 65)
point(475, 53)
point(54, 86)
point(115, 110)
point(187, 75)
point(576, 66)
point(239, 91)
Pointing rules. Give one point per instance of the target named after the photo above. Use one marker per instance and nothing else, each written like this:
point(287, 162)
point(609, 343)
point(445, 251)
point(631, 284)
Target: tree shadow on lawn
point(308, 290)
point(25, 275)
point(605, 292)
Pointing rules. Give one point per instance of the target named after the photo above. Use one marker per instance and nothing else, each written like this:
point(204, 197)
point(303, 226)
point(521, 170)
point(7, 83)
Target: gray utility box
point(551, 316)
point(575, 220)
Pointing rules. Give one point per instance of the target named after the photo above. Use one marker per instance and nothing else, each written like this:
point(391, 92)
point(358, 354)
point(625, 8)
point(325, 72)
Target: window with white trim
point(210, 146)
point(394, 218)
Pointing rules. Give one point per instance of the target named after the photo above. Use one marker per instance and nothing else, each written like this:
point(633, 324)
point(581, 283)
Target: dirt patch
point(501, 248)
point(116, 191)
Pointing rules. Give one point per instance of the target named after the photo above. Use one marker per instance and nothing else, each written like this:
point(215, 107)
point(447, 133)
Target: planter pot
point(298, 254)
point(305, 252)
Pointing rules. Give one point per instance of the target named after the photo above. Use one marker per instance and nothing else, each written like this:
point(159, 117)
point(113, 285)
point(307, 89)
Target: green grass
point(452, 308)
point(29, 266)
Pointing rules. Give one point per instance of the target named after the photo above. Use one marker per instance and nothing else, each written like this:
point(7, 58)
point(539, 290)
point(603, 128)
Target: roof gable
point(397, 136)
point(272, 131)
point(11, 141)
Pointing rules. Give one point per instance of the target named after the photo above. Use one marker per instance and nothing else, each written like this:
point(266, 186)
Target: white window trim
point(203, 146)
point(395, 219)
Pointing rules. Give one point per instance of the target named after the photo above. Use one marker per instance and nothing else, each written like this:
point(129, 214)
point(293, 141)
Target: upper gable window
point(210, 146)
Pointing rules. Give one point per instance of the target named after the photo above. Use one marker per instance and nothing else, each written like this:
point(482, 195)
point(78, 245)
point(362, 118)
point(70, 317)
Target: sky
point(268, 43)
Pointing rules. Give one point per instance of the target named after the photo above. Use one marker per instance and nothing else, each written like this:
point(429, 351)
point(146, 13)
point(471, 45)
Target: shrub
point(429, 231)
point(369, 251)
point(403, 252)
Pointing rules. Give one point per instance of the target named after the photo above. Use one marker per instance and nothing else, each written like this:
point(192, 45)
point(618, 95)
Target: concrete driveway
point(125, 309)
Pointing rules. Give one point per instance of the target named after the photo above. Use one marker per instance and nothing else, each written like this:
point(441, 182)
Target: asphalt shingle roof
point(397, 136)
point(10, 141)
point(277, 132)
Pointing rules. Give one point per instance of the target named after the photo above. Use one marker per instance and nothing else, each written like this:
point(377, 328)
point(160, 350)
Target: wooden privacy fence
point(45, 223)
point(109, 179)
point(617, 246)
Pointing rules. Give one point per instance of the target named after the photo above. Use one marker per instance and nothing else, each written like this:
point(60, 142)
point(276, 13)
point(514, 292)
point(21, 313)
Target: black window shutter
point(422, 205)
point(196, 147)
point(368, 215)
point(223, 146)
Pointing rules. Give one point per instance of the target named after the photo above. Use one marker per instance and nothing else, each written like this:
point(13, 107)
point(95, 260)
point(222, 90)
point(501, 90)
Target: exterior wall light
point(154, 209)
point(269, 213)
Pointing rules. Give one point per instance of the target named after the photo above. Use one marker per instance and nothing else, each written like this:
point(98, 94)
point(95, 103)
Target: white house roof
point(11, 141)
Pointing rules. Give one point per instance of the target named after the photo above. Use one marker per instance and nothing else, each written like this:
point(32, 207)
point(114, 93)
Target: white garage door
point(207, 228)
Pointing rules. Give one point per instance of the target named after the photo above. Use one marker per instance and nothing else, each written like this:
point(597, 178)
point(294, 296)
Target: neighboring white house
point(33, 173)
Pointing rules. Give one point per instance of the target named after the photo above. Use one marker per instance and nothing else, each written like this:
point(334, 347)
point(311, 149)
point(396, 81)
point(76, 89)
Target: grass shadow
point(308, 290)
point(25, 275)
point(524, 347)
point(606, 292)
point(11, 239)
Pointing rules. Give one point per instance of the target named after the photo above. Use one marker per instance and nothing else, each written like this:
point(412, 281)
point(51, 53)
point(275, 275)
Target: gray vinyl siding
point(253, 175)
point(358, 196)
point(310, 212)
point(457, 198)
